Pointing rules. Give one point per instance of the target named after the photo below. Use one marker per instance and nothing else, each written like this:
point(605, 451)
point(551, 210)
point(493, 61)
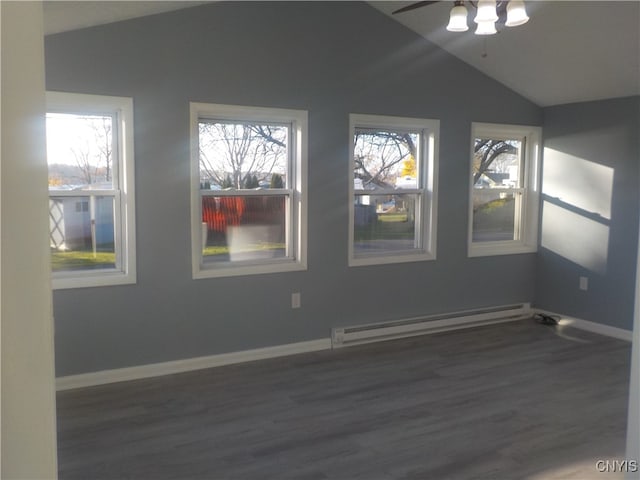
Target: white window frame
point(296, 190)
point(528, 195)
point(426, 218)
point(121, 109)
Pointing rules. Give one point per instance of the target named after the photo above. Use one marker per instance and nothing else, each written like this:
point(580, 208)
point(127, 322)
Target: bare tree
point(88, 169)
point(93, 148)
point(102, 127)
point(237, 154)
point(380, 156)
point(487, 152)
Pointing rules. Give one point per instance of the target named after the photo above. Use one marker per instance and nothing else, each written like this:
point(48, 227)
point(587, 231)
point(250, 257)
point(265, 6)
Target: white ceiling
point(62, 16)
point(569, 51)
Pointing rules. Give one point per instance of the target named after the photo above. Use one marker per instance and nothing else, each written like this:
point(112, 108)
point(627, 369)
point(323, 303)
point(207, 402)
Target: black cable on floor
point(544, 319)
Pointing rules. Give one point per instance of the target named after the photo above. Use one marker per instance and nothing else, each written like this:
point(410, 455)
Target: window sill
point(84, 280)
point(227, 270)
point(398, 257)
point(500, 248)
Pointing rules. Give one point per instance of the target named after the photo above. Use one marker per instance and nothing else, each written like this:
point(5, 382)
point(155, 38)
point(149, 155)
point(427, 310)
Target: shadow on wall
point(576, 209)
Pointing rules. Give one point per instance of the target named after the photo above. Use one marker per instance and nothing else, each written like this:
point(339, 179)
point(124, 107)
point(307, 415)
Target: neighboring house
point(406, 182)
point(492, 180)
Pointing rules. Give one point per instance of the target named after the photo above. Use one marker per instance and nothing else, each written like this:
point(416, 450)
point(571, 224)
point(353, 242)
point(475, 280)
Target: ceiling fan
point(489, 13)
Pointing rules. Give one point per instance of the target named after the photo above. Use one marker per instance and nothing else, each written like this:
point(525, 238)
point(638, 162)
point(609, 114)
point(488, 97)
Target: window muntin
point(392, 212)
point(503, 200)
point(91, 213)
point(248, 165)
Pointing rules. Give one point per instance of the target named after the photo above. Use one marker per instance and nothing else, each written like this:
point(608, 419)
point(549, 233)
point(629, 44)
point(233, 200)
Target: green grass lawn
point(392, 217)
point(224, 249)
point(81, 260)
point(499, 204)
point(390, 226)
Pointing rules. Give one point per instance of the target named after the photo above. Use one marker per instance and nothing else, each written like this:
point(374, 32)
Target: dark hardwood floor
point(508, 401)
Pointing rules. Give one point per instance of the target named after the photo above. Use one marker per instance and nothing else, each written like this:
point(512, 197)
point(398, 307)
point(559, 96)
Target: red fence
point(220, 212)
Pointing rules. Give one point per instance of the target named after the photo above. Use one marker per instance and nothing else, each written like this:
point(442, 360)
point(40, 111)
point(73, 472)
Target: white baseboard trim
point(178, 366)
point(186, 365)
point(593, 327)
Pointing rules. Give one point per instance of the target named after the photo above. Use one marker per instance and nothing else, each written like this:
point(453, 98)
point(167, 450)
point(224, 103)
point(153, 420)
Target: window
point(504, 196)
point(248, 210)
point(91, 198)
point(393, 177)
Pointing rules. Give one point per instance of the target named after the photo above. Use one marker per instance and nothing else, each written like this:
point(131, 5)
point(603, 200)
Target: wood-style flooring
point(510, 401)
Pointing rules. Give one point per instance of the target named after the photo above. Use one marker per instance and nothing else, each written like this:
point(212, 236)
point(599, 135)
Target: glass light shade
point(516, 13)
point(486, 11)
point(458, 19)
point(486, 28)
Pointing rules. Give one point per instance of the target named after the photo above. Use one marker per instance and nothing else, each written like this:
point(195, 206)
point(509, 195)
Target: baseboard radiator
point(409, 327)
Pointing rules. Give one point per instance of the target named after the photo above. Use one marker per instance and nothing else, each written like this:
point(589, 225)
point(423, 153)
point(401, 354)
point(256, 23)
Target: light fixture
point(488, 13)
point(516, 13)
point(486, 28)
point(458, 18)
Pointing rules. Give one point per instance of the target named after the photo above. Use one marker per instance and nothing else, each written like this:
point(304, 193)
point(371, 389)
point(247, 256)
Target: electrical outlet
point(296, 301)
point(584, 283)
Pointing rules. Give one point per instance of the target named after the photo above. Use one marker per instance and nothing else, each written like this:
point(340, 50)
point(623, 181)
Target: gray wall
point(590, 210)
point(330, 59)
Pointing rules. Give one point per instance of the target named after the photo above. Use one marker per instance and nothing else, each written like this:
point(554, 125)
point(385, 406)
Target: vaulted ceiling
point(62, 16)
point(569, 51)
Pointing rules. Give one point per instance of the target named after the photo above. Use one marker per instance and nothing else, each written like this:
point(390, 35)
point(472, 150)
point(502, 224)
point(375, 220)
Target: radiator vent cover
point(376, 332)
